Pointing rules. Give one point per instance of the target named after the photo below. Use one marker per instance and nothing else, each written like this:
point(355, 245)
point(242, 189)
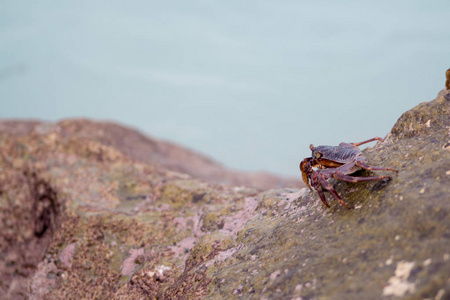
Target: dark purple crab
point(336, 162)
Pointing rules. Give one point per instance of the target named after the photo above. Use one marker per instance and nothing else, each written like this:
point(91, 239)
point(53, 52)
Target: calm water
point(249, 83)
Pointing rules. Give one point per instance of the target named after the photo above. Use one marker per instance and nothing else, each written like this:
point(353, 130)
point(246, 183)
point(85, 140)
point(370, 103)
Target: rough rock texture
point(81, 219)
point(148, 150)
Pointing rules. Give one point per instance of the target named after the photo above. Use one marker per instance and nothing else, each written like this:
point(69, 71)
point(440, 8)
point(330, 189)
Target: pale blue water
point(249, 83)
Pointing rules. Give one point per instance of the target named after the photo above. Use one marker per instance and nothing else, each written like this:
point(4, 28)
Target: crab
point(337, 162)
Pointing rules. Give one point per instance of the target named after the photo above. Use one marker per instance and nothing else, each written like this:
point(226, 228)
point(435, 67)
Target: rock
point(112, 227)
point(148, 150)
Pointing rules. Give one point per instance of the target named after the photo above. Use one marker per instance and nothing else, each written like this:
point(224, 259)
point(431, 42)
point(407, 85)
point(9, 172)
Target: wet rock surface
point(82, 219)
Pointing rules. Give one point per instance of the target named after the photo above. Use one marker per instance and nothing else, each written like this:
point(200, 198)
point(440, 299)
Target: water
point(251, 84)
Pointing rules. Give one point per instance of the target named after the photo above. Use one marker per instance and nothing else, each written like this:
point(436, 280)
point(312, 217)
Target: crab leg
point(363, 165)
point(368, 141)
point(318, 187)
point(323, 181)
point(322, 197)
point(357, 179)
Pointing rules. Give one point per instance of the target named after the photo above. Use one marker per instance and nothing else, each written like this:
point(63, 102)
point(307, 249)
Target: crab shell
point(335, 156)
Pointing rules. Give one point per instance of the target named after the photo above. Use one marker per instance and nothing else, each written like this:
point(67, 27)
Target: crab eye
point(317, 154)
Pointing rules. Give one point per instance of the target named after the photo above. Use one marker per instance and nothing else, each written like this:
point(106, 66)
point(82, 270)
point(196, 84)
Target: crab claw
point(305, 168)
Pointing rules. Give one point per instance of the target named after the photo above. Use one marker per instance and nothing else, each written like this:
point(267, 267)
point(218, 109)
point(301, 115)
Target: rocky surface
point(148, 150)
point(83, 219)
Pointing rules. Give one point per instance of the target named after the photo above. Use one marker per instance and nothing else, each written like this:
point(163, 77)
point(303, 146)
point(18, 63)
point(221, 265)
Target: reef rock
point(83, 219)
